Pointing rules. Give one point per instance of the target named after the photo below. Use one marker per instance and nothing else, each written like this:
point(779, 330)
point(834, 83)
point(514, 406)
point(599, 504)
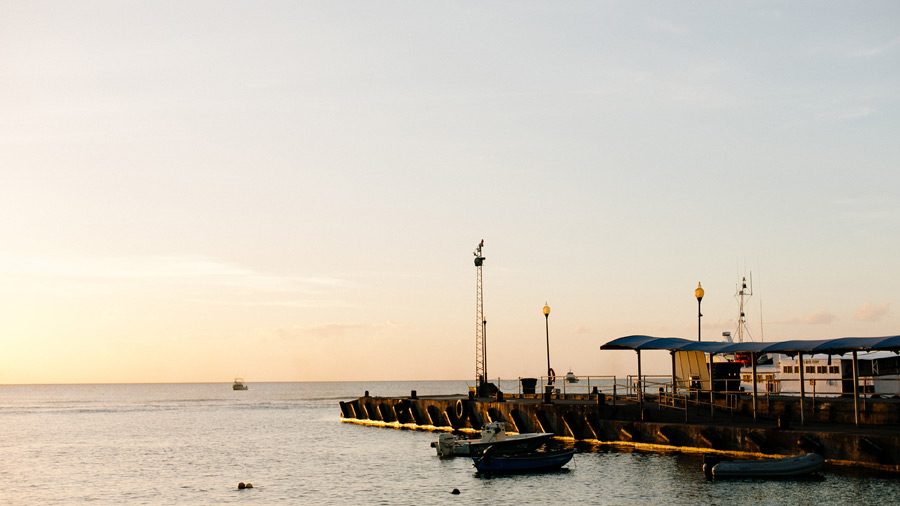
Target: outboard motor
point(444, 444)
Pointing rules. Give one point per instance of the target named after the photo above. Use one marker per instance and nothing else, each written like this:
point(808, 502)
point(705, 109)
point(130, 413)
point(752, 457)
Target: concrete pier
point(657, 424)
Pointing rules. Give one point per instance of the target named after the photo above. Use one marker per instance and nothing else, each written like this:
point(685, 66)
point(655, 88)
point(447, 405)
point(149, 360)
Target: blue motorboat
point(491, 462)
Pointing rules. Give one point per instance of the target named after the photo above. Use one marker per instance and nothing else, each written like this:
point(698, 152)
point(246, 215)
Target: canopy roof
point(838, 346)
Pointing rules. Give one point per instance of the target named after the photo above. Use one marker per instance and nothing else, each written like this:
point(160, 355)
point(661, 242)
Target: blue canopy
point(838, 346)
point(748, 347)
point(704, 346)
point(847, 344)
point(644, 343)
point(794, 347)
point(888, 344)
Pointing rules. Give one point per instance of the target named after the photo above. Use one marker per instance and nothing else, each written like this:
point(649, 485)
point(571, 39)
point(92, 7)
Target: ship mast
point(743, 291)
point(480, 323)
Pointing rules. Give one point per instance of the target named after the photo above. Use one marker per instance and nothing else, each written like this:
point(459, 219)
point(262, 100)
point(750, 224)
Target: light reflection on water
point(192, 444)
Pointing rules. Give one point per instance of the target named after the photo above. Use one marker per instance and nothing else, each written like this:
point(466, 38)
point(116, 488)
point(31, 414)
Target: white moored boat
point(493, 434)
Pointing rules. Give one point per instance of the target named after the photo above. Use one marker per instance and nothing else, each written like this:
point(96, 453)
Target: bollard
point(412, 395)
point(499, 396)
point(548, 394)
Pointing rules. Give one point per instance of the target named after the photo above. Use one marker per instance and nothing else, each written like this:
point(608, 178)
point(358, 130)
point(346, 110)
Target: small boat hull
point(449, 446)
point(493, 434)
point(524, 463)
point(788, 467)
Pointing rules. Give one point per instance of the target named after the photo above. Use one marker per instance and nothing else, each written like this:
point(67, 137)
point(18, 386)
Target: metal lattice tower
point(480, 345)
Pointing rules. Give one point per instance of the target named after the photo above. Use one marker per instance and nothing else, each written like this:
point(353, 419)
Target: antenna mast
point(743, 291)
point(480, 345)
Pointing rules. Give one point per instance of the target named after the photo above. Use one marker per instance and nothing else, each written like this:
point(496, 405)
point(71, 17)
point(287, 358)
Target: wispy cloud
point(78, 275)
point(668, 27)
point(857, 113)
point(872, 312)
point(878, 50)
point(335, 330)
point(820, 317)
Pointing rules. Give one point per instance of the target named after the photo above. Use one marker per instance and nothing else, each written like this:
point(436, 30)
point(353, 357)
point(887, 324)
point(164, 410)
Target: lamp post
point(547, 325)
point(699, 294)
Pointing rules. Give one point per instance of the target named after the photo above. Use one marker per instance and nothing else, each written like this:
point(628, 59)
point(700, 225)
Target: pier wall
point(605, 421)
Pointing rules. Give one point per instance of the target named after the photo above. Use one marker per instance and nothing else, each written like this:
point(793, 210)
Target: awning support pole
point(712, 401)
point(753, 379)
point(640, 391)
point(802, 390)
point(855, 390)
point(674, 380)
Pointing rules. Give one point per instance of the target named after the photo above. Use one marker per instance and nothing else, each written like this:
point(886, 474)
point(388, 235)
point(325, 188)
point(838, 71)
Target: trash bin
point(528, 385)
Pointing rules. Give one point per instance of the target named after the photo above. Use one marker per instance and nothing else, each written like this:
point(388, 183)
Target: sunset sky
point(292, 191)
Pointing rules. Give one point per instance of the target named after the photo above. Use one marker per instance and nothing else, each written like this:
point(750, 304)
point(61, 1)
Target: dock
point(660, 423)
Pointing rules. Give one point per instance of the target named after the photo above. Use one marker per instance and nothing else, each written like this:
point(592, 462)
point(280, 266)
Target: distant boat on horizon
point(239, 384)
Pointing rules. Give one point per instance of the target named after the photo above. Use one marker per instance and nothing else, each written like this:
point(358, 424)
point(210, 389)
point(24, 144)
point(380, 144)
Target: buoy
point(249, 485)
point(455, 491)
point(241, 486)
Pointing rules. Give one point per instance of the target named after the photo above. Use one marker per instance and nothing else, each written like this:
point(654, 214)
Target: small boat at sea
point(491, 462)
point(239, 384)
point(571, 378)
point(493, 434)
point(787, 467)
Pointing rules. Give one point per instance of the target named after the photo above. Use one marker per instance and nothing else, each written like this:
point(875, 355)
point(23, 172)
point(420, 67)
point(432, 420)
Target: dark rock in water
point(241, 486)
point(455, 491)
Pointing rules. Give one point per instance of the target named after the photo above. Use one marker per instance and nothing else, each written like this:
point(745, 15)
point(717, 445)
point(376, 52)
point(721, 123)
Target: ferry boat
point(780, 374)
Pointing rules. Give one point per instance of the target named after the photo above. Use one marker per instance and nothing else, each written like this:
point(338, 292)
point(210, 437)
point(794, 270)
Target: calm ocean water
point(190, 444)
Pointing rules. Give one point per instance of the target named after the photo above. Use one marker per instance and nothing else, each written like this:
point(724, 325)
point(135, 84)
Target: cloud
point(818, 318)
point(877, 50)
point(857, 113)
point(871, 312)
point(230, 283)
point(335, 330)
point(668, 27)
point(582, 330)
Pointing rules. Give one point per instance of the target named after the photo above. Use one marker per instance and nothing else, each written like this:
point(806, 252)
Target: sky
point(292, 191)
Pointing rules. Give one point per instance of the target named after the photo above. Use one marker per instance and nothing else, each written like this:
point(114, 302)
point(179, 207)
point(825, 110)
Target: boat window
point(788, 369)
point(821, 369)
point(810, 369)
point(834, 369)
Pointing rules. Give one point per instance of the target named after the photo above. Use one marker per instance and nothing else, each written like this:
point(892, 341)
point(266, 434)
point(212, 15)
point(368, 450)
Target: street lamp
point(547, 325)
point(699, 294)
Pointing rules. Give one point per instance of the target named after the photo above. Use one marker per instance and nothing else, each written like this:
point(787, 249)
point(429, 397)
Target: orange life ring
point(551, 376)
point(460, 409)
